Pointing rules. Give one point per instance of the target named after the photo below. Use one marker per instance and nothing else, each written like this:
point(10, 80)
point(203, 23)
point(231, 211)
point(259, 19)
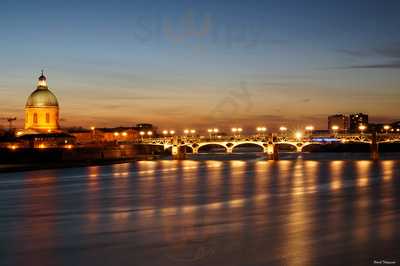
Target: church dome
point(42, 96)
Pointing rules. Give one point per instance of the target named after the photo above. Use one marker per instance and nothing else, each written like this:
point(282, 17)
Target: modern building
point(338, 123)
point(41, 109)
point(357, 120)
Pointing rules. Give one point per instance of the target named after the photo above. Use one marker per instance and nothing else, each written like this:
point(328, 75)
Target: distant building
point(338, 123)
point(104, 135)
point(357, 120)
point(395, 127)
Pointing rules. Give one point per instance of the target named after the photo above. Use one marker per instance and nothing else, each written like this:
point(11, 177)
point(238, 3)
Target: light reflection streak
point(336, 171)
point(363, 168)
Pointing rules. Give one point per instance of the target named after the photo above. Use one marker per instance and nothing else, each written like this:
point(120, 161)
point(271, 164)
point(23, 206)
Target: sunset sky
point(203, 63)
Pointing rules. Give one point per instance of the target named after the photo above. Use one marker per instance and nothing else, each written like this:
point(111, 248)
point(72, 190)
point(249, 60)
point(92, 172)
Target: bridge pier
point(229, 150)
point(272, 152)
point(195, 150)
point(374, 148)
point(178, 152)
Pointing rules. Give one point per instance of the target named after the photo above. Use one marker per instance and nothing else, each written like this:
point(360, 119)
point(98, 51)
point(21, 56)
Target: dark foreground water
point(204, 212)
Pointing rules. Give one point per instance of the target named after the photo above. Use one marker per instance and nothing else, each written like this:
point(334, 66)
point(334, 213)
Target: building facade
point(338, 123)
point(357, 120)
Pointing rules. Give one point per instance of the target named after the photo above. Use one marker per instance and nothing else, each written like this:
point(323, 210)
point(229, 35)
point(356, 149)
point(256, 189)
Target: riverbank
point(19, 167)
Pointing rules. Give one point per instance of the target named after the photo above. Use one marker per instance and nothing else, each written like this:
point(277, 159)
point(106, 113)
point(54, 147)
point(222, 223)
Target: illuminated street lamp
point(209, 132)
point(335, 128)
point(186, 131)
point(142, 133)
point(234, 129)
point(386, 128)
point(310, 129)
point(362, 128)
point(149, 133)
point(172, 132)
point(116, 134)
point(192, 131)
point(283, 129)
point(215, 130)
point(165, 132)
point(261, 130)
point(298, 135)
point(124, 134)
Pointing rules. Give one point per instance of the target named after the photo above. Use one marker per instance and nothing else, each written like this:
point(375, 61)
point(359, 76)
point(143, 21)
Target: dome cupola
point(42, 96)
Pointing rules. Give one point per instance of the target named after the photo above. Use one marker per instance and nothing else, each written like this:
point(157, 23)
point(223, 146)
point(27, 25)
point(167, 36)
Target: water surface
point(238, 211)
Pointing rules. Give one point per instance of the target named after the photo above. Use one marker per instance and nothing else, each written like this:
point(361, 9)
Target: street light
point(309, 129)
point(386, 127)
point(298, 135)
point(335, 128)
point(149, 133)
point(362, 128)
point(165, 132)
point(141, 133)
point(209, 132)
point(283, 129)
point(192, 131)
point(215, 130)
point(172, 132)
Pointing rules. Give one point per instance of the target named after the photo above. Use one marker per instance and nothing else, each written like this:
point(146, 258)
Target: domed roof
point(42, 96)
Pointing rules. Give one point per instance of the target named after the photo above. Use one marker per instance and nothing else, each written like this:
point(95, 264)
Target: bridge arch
point(250, 143)
point(309, 144)
point(211, 144)
point(291, 144)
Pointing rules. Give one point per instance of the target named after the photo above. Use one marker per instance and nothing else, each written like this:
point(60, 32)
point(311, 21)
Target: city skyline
point(168, 64)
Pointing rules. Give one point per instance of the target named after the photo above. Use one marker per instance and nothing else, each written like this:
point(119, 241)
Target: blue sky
point(203, 63)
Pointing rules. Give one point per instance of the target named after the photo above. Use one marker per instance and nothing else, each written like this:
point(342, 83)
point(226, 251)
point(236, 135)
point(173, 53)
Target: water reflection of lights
point(336, 170)
point(363, 168)
point(387, 169)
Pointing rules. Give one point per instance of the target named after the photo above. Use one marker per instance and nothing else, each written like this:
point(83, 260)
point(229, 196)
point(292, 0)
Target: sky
point(199, 64)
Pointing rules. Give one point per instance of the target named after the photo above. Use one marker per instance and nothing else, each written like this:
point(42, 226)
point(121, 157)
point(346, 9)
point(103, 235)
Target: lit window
point(47, 118)
point(35, 119)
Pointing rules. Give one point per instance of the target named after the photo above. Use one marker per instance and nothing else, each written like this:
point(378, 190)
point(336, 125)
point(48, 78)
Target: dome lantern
point(42, 81)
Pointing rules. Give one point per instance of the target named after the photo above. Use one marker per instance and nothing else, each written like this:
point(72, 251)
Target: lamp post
point(362, 128)
point(261, 130)
point(209, 132)
point(386, 128)
point(234, 130)
point(335, 129)
point(239, 130)
point(141, 133)
point(215, 131)
point(93, 129)
point(298, 135)
point(309, 129)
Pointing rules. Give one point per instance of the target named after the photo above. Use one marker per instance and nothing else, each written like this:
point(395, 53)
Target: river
point(207, 210)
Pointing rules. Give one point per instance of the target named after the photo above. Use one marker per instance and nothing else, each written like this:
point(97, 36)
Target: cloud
point(389, 54)
point(389, 65)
